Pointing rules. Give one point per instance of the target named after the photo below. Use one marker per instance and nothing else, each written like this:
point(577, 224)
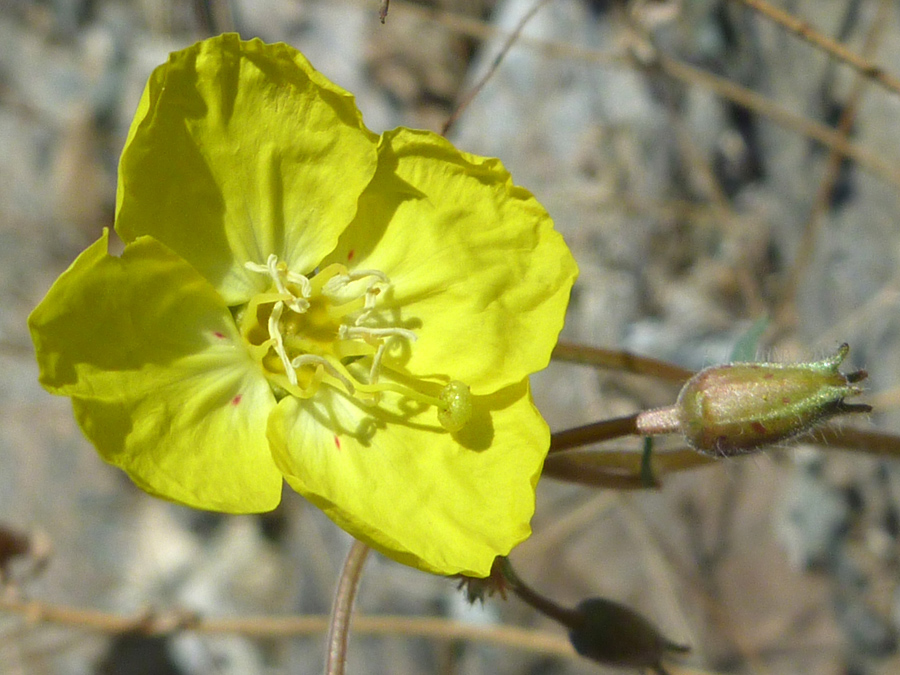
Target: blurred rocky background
point(684, 149)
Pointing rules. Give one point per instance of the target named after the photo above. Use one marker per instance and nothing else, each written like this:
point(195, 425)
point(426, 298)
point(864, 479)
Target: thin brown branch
point(619, 470)
point(616, 359)
point(438, 629)
point(504, 50)
point(570, 469)
point(787, 313)
point(481, 30)
point(596, 432)
point(803, 30)
point(821, 133)
point(826, 136)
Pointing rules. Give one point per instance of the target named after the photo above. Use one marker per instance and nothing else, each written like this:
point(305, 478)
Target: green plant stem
point(571, 470)
point(613, 359)
point(870, 442)
point(339, 629)
point(569, 618)
point(620, 470)
point(596, 432)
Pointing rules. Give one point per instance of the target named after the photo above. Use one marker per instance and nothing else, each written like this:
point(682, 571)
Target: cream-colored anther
point(312, 359)
point(301, 281)
point(338, 282)
point(376, 362)
point(280, 274)
point(378, 284)
point(275, 334)
point(346, 332)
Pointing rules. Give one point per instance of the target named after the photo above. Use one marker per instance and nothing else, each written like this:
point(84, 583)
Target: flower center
point(332, 328)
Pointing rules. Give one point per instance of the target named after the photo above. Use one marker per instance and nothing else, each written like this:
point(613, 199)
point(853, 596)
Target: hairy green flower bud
point(739, 407)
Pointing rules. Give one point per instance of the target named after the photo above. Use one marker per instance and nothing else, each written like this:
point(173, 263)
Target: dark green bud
point(615, 635)
point(739, 407)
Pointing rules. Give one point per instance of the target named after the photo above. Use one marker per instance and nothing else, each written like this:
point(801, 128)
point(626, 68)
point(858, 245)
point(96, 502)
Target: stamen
point(362, 274)
point(362, 332)
point(348, 299)
point(299, 305)
point(302, 281)
point(339, 282)
point(376, 362)
point(275, 334)
point(256, 267)
point(307, 359)
point(279, 273)
point(369, 308)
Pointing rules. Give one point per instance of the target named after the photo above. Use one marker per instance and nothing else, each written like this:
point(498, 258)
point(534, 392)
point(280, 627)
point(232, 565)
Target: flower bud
point(615, 635)
point(736, 408)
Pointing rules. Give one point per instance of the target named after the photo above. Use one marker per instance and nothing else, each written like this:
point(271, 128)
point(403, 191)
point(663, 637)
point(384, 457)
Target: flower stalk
point(342, 608)
point(601, 630)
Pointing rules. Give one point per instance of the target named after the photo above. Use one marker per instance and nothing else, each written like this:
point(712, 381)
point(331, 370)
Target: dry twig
point(802, 29)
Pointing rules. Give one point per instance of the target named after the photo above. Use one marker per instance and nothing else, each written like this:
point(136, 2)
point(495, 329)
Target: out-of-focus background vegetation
point(707, 166)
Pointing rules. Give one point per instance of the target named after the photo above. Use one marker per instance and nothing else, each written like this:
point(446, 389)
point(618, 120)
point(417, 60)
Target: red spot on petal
point(236, 400)
point(768, 376)
point(350, 254)
point(758, 427)
point(337, 442)
point(219, 335)
point(785, 400)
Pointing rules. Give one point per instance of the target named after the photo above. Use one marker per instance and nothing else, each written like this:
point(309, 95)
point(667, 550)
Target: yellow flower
point(300, 298)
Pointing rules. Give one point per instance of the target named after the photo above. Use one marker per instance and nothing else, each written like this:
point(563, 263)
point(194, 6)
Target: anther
point(346, 332)
point(302, 281)
point(312, 359)
point(376, 362)
point(275, 334)
point(339, 282)
point(279, 273)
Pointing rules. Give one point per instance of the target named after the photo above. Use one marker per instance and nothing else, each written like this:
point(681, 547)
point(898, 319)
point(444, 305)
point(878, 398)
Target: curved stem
point(339, 629)
point(570, 618)
point(596, 432)
point(620, 470)
point(615, 359)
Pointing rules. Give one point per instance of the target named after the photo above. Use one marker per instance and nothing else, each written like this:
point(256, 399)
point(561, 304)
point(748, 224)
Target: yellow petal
point(240, 150)
point(477, 270)
point(392, 477)
point(160, 381)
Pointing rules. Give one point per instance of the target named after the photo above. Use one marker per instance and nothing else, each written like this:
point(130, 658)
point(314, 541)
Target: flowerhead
point(301, 299)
